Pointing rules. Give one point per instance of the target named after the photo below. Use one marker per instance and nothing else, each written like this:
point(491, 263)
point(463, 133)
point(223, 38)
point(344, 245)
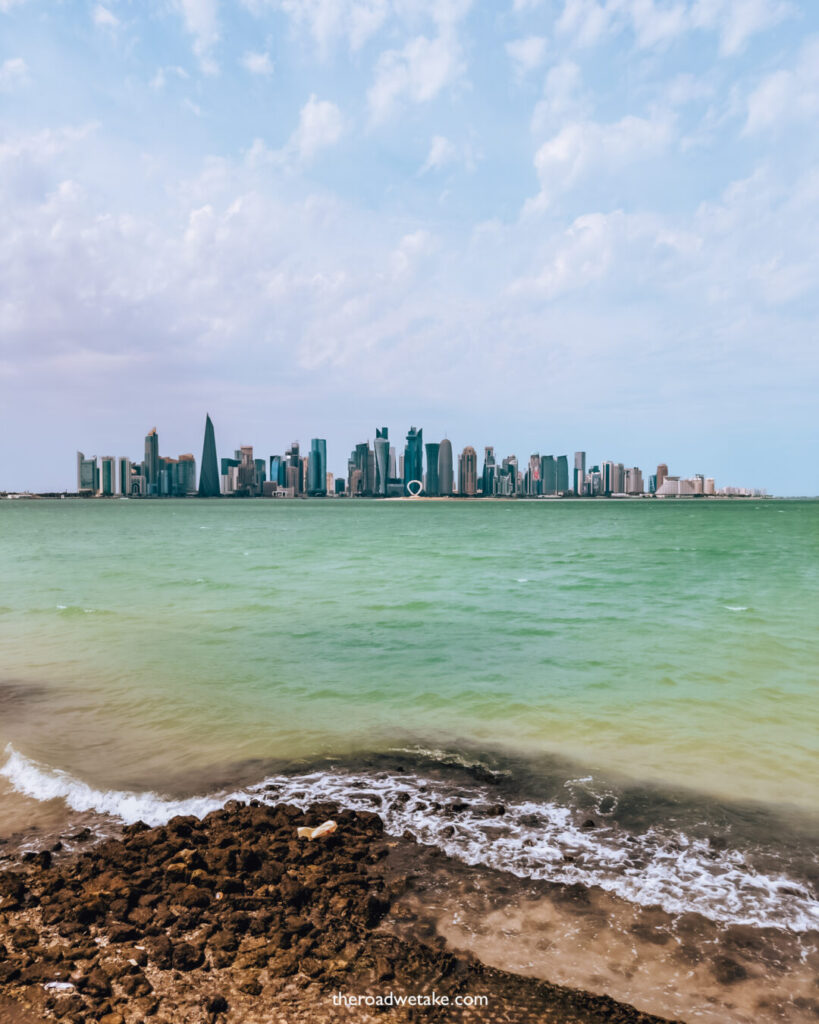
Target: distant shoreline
point(74, 496)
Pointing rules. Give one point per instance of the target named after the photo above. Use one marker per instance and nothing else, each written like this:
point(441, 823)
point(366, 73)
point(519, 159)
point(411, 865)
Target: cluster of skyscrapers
point(377, 471)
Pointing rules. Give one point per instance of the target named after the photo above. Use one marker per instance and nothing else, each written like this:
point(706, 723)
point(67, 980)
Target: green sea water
point(667, 642)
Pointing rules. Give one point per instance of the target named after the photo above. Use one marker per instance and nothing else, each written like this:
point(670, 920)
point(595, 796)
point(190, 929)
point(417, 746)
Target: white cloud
point(13, 73)
point(411, 251)
point(321, 124)
point(202, 22)
point(580, 147)
point(441, 153)
point(528, 53)
point(6, 5)
point(417, 73)
point(104, 18)
point(328, 21)
point(258, 63)
point(160, 79)
point(787, 95)
point(655, 23)
point(738, 20)
point(563, 97)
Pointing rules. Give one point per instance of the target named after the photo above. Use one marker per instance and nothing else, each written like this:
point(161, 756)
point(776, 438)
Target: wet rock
point(119, 933)
point(95, 983)
point(216, 1004)
point(160, 950)
point(136, 985)
point(24, 937)
point(249, 984)
point(187, 957)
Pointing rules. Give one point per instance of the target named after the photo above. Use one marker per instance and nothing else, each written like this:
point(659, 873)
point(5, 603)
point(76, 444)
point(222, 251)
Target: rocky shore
point(235, 919)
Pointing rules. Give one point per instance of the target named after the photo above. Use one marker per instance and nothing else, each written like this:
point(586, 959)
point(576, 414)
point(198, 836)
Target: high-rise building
point(317, 468)
point(509, 469)
point(489, 470)
point(361, 464)
point(709, 485)
point(662, 473)
point(185, 475)
point(634, 481)
point(209, 476)
point(562, 474)
point(124, 476)
point(108, 478)
point(152, 462)
point(88, 474)
point(533, 481)
point(579, 472)
point(229, 480)
point(548, 474)
point(381, 457)
point(431, 485)
point(294, 469)
point(414, 458)
point(468, 472)
point(445, 468)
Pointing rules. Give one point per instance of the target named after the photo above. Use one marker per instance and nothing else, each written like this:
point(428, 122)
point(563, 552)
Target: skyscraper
point(579, 472)
point(152, 462)
point(88, 474)
point(108, 476)
point(562, 474)
point(662, 473)
point(317, 468)
point(533, 481)
point(382, 461)
point(414, 457)
point(124, 475)
point(432, 487)
point(468, 472)
point(548, 474)
point(445, 468)
point(209, 476)
point(185, 475)
point(488, 475)
point(361, 459)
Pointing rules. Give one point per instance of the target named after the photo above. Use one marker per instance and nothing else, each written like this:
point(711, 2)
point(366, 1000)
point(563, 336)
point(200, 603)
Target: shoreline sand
point(233, 918)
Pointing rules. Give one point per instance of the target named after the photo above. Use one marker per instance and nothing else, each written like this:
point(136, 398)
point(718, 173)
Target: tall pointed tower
point(209, 477)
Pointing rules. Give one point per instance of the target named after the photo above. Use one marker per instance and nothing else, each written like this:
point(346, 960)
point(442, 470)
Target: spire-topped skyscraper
point(209, 477)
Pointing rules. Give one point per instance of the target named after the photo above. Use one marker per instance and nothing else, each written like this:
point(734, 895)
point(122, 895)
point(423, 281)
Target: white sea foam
point(529, 839)
point(43, 783)
point(736, 607)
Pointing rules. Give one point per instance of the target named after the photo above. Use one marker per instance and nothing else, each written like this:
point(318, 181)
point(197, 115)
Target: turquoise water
point(649, 665)
point(673, 642)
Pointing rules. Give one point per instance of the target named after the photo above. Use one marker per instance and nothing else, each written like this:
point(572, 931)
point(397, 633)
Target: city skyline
point(592, 222)
point(380, 471)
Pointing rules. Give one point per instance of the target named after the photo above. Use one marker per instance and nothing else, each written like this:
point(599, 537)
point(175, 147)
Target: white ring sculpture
point(414, 483)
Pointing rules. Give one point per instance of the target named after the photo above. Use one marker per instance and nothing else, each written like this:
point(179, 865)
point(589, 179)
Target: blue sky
point(546, 226)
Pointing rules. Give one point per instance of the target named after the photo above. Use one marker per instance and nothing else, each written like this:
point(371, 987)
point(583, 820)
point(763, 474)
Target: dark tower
point(432, 488)
point(209, 476)
point(414, 457)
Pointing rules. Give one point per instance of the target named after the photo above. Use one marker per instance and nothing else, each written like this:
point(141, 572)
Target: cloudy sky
point(546, 225)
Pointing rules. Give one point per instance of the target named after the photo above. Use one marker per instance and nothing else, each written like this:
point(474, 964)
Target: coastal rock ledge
point(234, 919)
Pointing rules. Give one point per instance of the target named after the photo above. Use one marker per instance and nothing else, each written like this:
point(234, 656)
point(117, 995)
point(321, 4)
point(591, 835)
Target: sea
point(614, 699)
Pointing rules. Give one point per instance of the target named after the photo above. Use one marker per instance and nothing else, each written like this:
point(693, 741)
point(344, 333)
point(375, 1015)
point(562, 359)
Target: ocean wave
point(528, 838)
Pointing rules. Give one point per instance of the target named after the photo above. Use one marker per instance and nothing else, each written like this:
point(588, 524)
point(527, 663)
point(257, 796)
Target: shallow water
point(650, 666)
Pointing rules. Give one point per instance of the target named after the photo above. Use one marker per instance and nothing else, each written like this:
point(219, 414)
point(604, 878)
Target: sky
point(544, 225)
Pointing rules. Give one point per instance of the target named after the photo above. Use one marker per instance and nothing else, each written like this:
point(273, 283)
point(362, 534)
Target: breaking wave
point(543, 840)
